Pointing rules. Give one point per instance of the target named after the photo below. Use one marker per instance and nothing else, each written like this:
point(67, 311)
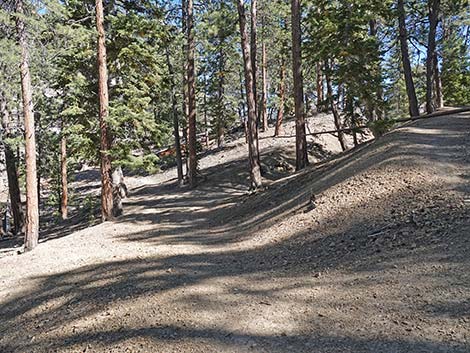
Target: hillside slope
point(378, 262)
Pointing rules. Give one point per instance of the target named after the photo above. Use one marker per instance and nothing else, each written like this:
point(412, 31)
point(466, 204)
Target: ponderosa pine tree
point(191, 75)
point(300, 133)
point(32, 198)
point(253, 149)
point(254, 53)
point(431, 72)
point(176, 128)
point(107, 208)
point(264, 76)
point(403, 37)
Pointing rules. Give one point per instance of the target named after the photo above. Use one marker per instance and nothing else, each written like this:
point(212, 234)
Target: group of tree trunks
point(112, 183)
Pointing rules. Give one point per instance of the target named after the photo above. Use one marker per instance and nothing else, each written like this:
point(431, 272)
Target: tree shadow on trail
point(56, 309)
point(333, 289)
point(219, 212)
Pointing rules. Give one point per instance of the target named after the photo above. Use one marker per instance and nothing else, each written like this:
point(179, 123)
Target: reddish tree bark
point(32, 199)
point(105, 145)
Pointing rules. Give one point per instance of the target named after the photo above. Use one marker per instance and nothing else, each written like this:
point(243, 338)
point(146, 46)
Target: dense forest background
point(177, 78)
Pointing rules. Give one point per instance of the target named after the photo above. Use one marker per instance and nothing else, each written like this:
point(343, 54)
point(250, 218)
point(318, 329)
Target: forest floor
point(379, 262)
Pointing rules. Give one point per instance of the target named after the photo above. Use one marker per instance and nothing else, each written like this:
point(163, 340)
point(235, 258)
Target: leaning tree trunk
point(334, 108)
point(403, 36)
point(300, 134)
point(12, 172)
point(176, 128)
point(107, 212)
point(431, 53)
point(253, 150)
point(32, 199)
point(192, 174)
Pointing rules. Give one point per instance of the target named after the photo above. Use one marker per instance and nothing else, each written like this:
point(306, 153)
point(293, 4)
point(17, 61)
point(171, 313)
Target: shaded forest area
point(136, 86)
point(235, 176)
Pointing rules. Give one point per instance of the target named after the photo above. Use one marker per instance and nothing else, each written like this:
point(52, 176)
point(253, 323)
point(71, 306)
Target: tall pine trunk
point(253, 149)
point(281, 95)
point(192, 173)
point(264, 93)
point(403, 36)
point(220, 94)
point(264, 98)
point(63, 177)
point(434, 6)
point(300, 134)
point(176, 127)
point(319, 87)
point(12, 171)
point(254, 52)
point(220, 109)
point(185, 107)
point(32, 198)
point(107, 212)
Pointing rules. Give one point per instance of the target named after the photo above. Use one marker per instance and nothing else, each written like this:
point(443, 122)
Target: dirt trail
point(379, 262)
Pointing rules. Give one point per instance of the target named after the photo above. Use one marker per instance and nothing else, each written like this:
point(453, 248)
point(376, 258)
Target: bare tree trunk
point(264, 100)
point(191, 96)
point(107, 212)
point(184, 26)
point(63, 175)
point(319, 83)
point(438, 84)
point(254, 52)
point(206, 121)
point(434, 6)
point(253, 149)
point(32, 199)
point(403, 36)
point(243, 108)
point(264, 97)
point(12, 172)
point(282, 92)
point(334, 109)
point(376, 109)
point(220, 97)
point(301, 140)
point(176, 128)
point(38, 153)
